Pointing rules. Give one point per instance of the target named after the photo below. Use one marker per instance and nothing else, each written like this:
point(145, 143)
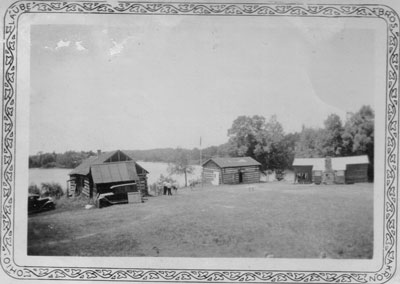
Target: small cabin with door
point(107, 172)
point(231, 171)
point(329, 170)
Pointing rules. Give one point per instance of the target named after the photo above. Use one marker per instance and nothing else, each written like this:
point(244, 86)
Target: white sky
point(164, 81)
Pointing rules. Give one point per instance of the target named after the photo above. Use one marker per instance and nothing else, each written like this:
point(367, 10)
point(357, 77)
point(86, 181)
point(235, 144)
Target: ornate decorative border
point(125, 7)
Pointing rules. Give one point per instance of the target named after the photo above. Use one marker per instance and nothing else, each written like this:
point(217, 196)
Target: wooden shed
point(231, 171)
point(107, 172)
point(329, 170)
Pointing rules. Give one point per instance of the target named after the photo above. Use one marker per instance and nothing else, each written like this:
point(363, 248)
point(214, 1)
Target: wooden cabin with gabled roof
point(231, 171)
point(339, 170)
point(106, 172)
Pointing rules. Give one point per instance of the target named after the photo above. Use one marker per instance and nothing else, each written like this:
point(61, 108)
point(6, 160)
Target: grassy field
point(274, 220)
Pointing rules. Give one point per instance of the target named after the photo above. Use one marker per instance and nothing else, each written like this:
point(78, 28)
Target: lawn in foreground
point(275, 219)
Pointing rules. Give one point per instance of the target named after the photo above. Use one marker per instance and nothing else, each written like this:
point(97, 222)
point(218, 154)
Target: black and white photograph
point(200, 142)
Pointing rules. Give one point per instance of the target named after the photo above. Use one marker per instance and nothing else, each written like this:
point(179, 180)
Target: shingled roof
point(106, 158)
point(338, 163)
point(318, 164)
point(234, 162)
point(114, 172)
point(84, 167)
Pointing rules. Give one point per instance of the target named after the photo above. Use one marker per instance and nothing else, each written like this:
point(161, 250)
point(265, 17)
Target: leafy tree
point(309, 144)
point(263, 140)
point(358, 136)
point(289, 144)
point(244, 135)
point(332, 142)
point(181, 164)
point(270, 150)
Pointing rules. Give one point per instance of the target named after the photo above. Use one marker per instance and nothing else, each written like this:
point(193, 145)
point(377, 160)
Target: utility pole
point(201, 164)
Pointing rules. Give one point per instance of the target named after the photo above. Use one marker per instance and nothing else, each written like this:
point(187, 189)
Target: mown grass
point(276, 219)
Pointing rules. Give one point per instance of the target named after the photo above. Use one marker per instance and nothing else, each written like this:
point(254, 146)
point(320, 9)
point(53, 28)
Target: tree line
point(71, 159)
point(263, 139)
point(68, 159)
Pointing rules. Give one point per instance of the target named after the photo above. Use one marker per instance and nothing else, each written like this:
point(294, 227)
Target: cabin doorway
point(240, 176)
point(215, 180)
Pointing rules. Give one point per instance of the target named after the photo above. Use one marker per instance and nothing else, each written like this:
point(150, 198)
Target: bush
point(73, 203)
point(52, 189)
point(158, 185)
point(163, 179)
point(33, 189)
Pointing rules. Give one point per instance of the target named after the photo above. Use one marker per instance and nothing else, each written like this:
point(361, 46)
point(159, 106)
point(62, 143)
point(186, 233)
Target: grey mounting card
point(88, 75)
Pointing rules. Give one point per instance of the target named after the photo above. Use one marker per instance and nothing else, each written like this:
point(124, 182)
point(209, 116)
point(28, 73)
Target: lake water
point(37, 176)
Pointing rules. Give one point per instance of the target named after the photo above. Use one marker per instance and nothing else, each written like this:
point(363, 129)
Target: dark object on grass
point(110, 198)
point(157, 250)
point(113, 198)
point(38, 204)
point(120, 194)
point(279, 174)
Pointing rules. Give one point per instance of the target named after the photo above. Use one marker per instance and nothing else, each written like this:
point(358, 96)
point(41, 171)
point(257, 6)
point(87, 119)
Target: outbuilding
point(109, 171)
point(231, 171)
point(352, 169)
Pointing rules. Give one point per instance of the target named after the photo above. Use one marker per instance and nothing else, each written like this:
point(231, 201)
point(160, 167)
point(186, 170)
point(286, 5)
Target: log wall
point(86, 187)
point(142, 185)
point(250, 174)
point(208, 175)
point(356, 173)
point(208, 172)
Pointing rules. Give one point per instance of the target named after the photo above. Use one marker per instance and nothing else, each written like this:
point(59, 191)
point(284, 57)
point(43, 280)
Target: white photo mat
point(15, 132)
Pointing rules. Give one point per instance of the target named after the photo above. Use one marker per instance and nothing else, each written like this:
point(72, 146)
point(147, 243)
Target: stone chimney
point(328, 164)
point(328, 176)
point(98, 152)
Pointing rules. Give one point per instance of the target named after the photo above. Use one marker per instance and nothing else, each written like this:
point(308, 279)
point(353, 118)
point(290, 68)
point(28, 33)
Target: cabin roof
point(114, 172)
point(234, 162)
point(85, 166)
point(318, 164)
point(338, 163)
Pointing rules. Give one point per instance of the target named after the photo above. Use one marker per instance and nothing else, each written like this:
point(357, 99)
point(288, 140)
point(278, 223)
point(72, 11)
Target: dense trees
point(358, 136)
point(69, 159)
point(355, 137)
point(266, 141)
point(263, 140)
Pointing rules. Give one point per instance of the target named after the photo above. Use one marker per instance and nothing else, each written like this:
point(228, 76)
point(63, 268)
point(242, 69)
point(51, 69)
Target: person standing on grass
point(165, 188)
point(169, 188)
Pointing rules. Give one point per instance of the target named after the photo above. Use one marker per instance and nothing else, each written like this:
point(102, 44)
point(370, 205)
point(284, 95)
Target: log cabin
point(338, 170)
point(231, 171)
point(106, 171)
